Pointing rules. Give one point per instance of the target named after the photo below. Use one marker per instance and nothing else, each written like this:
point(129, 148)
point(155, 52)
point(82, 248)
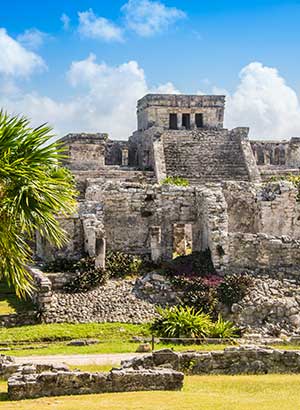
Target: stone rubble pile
point(114, 302)
point(272, 308)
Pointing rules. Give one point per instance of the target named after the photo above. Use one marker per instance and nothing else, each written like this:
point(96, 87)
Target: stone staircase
point(203, 156)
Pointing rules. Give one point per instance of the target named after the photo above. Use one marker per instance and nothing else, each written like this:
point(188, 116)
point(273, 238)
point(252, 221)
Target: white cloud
point(65, 19)
point(147, 17)
point(92, 26)
point(106, 99)
point(167, 88)
point(264, 102)
point(32, 38)
point(16, 60)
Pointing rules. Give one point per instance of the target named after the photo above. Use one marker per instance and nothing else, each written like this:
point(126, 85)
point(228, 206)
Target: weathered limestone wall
point(242, 208)
point(130, 210)
point(154, 109)
point(138, 217)
point(73, 249)
point(278, 210)
point(115, 152)
point(261, 251)
point(28, 383)
point(85, 151)
point(270, 208)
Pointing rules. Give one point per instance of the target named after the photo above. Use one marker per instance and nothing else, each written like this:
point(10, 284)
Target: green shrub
point(234, 288)
point(178, 181)
point(120, 265)
point(61, 265)
point(181, 322)
point(86, 280)
point(223, 329)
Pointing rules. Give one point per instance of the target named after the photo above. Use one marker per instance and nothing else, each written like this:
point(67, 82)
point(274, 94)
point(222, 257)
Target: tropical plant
point(223, 329)
point(181, 322)
point(34, 189)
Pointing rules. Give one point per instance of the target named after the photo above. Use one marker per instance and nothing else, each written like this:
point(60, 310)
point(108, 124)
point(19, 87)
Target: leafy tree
point(34, 189)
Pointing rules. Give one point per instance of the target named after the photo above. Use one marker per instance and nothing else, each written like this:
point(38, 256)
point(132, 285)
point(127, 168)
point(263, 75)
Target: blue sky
point(82, 65)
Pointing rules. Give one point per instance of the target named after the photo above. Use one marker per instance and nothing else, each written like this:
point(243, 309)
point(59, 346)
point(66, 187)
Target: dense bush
point(234, 288)
point(195, 278)
point(62, 265)
point(186, 322)
point(120, 265)
point(86, 280)
point(181, 322)
point(178, 181)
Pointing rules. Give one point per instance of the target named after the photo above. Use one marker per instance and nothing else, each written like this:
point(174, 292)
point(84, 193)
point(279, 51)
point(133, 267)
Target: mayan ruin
point(227, 207)
point(150, 205)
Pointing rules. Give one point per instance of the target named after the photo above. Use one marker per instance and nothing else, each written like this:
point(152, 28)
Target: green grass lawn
point(9, 303)
point(67, 331)
point(50, 339)
point(113, 337)
point(269, 392)
point(103, 347)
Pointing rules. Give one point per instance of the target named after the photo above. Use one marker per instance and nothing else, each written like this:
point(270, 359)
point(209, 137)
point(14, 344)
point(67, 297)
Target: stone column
point(167, 242)
point(100, 252)
point(179, 121)
point(193, 121)
point(124, 157)
point(155, 240)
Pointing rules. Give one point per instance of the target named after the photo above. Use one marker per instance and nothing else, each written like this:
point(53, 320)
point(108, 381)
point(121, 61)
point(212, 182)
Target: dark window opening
point(173, 122)
point(199, 120)
point(186, 121)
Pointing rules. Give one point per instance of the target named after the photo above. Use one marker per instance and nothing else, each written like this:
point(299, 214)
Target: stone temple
point(230, 205)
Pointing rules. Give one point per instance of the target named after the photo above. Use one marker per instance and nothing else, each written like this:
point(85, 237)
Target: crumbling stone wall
point(232, 360)
point(261, 251)
point(115, 152)
point(277, 153)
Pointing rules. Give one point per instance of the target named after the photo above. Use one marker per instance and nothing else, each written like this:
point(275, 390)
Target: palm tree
point(34, 188)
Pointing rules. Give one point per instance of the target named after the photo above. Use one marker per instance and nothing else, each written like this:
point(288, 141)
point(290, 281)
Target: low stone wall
point(19, 319)
point(29, 383)
point(232, 360)
point(8, 367)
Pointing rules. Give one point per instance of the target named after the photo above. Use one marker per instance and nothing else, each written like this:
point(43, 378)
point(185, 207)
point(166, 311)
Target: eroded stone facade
point(228, 207)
